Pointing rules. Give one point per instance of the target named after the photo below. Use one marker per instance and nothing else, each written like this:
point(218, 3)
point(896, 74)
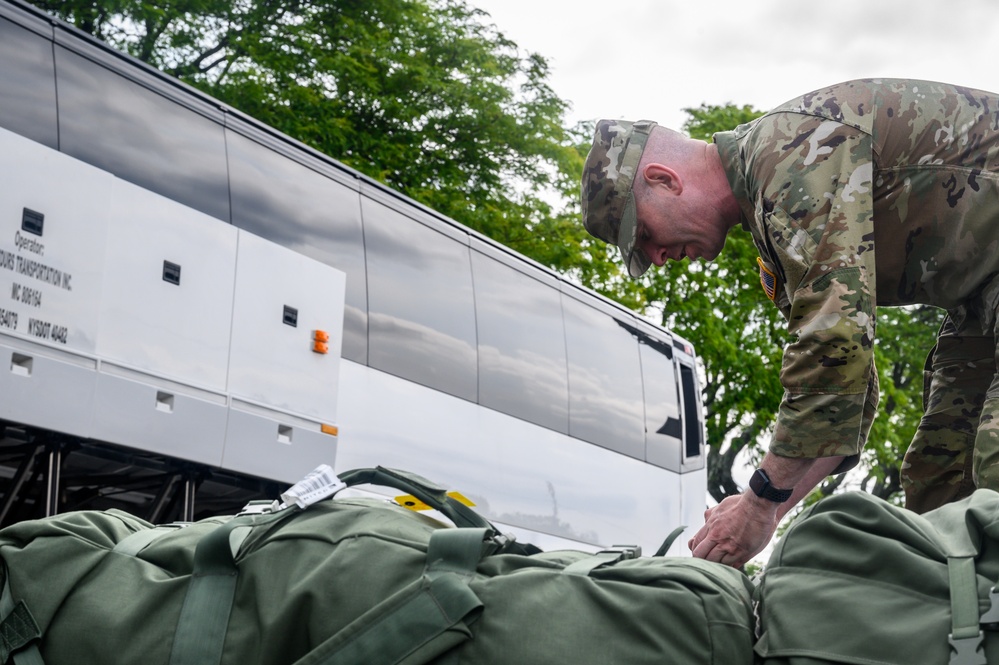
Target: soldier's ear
point(659, 175)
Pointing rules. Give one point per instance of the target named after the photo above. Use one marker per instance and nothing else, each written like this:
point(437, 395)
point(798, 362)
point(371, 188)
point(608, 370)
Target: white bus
point(166, 263)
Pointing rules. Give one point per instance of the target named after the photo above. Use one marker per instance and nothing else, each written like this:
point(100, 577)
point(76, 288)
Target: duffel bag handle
point(437, 498)
point(426, 491)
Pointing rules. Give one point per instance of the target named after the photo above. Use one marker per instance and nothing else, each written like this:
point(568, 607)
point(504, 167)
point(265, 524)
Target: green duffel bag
point(353, 581)
point(858, 580)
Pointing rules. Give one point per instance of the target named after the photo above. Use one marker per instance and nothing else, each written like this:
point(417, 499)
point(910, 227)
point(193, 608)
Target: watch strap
point(761, 486)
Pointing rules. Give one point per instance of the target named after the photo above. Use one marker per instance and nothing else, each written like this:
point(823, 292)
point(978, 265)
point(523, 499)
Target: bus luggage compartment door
point(284, 363)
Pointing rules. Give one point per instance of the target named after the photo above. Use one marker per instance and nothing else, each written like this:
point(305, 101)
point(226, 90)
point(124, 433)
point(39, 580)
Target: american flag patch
point(767, 279)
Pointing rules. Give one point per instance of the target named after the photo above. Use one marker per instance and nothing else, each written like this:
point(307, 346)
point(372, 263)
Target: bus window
point(663, 426)
point(314, 214)
point(692, 433)
point(420, 307)
point(522, 365)
point(27, 84)
point(158, 144)
point(605, 380)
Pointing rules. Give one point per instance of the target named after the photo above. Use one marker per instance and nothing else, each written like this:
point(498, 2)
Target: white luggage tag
point(316, 486)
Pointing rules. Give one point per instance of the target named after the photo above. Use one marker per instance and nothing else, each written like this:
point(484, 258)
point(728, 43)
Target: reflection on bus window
point(421, 312)
point(605, 381)
point(27, 85)
point(522, 364)
point(159, 144)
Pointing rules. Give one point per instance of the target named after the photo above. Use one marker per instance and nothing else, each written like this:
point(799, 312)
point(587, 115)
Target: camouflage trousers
point(956, 446)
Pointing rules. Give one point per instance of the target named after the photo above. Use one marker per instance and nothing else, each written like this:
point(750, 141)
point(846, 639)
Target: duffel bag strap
point(455, 551)
point(961, 544)
point(204, 616)
point(602, 558)
point(424, 620)
point(134, 543)
point(966, 637)
point(18, 631)
point(674, 534)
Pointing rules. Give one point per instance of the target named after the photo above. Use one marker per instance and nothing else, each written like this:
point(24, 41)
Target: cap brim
point(636, 261)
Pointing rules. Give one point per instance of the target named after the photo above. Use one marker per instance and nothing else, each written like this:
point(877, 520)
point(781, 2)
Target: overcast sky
point(648, 59)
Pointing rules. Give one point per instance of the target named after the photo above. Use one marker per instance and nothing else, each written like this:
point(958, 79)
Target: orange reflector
point(332, 430)
point(320, 335)
point(411, 502)
point(320, 347)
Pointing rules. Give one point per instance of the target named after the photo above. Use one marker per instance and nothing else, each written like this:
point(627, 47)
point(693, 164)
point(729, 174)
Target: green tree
point(426, 96)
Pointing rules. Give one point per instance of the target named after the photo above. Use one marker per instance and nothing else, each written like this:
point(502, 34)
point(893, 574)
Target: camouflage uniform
point(880, 192)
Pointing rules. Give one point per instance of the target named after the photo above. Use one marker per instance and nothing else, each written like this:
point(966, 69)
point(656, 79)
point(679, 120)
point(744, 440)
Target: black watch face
point(759, 482)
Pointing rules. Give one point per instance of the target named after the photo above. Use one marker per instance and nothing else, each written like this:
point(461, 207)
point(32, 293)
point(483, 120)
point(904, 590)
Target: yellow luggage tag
point(411, 502)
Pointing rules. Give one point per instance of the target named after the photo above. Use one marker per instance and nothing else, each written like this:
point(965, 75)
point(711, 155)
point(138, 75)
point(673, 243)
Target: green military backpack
point(352, 581)
point(857, 580)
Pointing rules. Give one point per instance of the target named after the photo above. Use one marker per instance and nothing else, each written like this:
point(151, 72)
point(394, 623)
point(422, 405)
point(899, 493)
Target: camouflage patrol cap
point(608, 202)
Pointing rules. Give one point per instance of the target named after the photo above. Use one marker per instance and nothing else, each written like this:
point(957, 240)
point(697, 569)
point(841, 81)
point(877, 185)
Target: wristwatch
point(760, 484)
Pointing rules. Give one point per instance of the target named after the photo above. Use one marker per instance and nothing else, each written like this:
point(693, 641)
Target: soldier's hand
point(735, 530)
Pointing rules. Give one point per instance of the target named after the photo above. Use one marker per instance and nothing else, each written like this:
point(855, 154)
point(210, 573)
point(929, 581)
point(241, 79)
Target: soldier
point(865, 193)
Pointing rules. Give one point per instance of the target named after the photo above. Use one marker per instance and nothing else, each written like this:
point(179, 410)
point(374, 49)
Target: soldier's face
point(675, 232)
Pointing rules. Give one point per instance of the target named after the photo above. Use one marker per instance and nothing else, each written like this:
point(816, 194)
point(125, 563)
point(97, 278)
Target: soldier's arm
point(821, 219)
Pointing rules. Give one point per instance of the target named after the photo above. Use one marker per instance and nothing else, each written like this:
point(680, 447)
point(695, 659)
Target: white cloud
point(650, 59)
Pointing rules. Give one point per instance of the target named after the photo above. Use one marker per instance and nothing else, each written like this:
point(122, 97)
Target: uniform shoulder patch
point(768, 279)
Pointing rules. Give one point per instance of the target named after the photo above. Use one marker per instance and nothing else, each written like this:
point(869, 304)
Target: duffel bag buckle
point(258, 507)
point(991, 617)
point(967, 650)
point(625, 551)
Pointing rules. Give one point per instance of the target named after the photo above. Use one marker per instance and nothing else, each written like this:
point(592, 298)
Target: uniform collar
point(734, 165)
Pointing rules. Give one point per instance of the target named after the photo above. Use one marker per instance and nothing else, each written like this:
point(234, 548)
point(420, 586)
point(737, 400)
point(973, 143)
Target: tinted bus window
point(605, 380)
point(27, 84)
point(663, 426)
point(293, 205)
point(421, 316)
point(141, 136)
point(522, 365)
point(692, 428)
